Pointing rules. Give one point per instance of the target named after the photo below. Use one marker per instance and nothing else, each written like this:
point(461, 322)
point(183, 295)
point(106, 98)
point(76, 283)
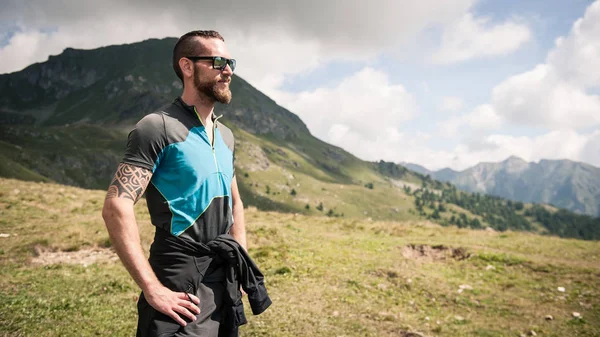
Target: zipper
point(213, 151)
point(212, 143)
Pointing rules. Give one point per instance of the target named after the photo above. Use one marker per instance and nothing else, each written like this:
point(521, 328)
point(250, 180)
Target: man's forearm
point(127, 187)
point(238, 230)
point(124, 235)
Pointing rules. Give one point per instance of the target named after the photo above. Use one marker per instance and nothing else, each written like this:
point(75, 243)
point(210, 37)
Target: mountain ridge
point(563, 183)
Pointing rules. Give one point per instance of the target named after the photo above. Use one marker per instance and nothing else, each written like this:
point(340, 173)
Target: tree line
point(497, 213)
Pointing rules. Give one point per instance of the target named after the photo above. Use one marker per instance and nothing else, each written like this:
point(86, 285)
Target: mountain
point(562, 183)
point(117, 85)
point(445, 174)
point(416, 167)
point(66, 121)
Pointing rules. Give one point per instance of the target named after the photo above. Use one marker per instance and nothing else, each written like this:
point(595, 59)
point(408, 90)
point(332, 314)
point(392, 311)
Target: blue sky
point(441, 84)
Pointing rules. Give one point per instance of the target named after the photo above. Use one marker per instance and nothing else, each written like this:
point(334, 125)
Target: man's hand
point(172, 304)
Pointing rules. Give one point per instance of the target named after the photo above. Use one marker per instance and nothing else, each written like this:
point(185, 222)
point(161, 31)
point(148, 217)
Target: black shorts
point(181, 273)
point(152, 323)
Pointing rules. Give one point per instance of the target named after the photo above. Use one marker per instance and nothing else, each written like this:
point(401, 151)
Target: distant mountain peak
point(416, 168)
point(514, 158)
point(514, 164)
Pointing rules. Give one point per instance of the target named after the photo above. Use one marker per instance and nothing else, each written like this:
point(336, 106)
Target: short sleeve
point(145, 142)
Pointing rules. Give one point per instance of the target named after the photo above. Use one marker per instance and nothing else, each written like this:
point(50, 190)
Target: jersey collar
point(190, 108)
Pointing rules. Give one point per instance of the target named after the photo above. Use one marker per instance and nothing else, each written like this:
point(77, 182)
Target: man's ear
point(186, 66)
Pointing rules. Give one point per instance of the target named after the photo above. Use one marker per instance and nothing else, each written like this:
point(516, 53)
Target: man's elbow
point(112, 209)
point(108, 210)
point(238, 205)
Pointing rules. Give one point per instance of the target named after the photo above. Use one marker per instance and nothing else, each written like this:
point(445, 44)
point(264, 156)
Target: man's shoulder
point(152, 121)
point(160, 116)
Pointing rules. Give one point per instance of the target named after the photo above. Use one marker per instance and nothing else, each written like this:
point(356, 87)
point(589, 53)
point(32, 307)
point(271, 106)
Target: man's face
point(209, 82)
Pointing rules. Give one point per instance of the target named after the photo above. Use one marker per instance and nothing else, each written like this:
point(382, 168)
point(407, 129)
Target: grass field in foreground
point(326, 276)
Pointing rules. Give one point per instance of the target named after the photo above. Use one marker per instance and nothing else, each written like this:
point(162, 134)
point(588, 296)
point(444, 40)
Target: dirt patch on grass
point(84, 257)
point(434, 253)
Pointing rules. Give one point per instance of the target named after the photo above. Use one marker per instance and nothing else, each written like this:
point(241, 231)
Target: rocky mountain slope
point(562, 183)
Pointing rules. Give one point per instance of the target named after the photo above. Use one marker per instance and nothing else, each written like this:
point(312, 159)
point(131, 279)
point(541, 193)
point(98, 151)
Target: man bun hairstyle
point(188, 46)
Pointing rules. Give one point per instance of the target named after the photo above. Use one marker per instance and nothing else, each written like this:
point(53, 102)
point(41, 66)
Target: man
point(184, 157)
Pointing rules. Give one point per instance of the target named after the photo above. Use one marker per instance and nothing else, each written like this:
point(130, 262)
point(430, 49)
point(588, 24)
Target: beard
point(214, 90)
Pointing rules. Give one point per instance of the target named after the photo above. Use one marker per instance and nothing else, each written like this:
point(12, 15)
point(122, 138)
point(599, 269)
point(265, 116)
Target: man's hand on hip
point(173, 304)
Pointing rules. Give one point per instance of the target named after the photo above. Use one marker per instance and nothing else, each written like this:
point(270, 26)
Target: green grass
point(326, 276)
point(10, 168)
point(287, 169)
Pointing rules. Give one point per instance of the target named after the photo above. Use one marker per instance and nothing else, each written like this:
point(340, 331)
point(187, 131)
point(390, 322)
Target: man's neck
point(204, 106)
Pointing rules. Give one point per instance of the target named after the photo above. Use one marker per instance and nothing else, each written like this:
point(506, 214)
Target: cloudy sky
point(433, 82)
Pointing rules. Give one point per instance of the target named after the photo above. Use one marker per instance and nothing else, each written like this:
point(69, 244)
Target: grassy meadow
point(327, 276)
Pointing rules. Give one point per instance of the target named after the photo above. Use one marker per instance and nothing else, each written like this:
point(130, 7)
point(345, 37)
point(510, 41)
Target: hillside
point(117, 85)
point(562, 183)
point(66, 121)
point(326, 276)
point(106, 90)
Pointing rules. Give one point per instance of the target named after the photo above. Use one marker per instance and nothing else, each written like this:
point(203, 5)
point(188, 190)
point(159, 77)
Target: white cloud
point(591, 150)
point(540, 97)
point(265, 63)
point(30, 46)
point(553, 145)
point(472, 37)
point(361, 105)
point(559, 144)
point(337, 133)
point(482, 118)
point(449, 128)
point(451, 103)
point(271, 39)
point(576, 58)
point(364, 114)
point(390, 145)
point(556, 94)
point(22, 50)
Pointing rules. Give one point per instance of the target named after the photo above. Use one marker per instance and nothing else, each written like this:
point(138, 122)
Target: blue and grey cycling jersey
point(189, 194)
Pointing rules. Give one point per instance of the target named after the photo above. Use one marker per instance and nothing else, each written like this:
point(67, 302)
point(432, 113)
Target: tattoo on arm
point(129, 182)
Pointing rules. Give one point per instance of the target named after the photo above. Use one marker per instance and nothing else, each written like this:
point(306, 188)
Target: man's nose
point(227, 70)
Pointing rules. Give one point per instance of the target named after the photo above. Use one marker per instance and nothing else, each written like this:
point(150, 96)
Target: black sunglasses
point(218, 61)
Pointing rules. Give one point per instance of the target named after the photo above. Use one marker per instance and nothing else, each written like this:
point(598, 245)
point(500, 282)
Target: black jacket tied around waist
point(180, 264)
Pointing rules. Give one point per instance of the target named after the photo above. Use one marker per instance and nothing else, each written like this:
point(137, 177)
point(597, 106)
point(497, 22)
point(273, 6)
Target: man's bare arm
point(238, 230)
point(125, 190)
point(129, 182)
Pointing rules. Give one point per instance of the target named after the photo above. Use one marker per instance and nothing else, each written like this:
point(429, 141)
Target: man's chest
point(201, 154)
